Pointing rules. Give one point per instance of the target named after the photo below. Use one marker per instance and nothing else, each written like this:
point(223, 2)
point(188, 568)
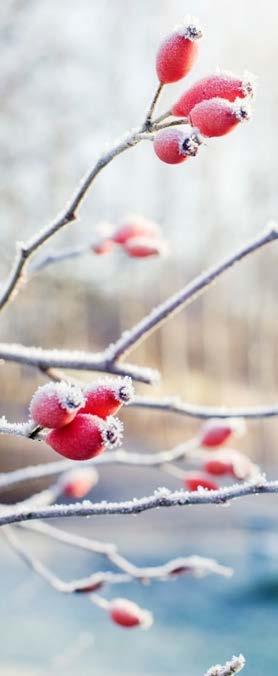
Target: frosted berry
point(78, 482)
point(192, 481)
point(105, 397)
point(174, 146)
point(218, 117)
point(85, 437)
point(136, 226)
point(178, 52)
point(219, 467)
point(128, 614)
point(223, 85)
point(143, 247)
point(56, 404)
point(216, 432)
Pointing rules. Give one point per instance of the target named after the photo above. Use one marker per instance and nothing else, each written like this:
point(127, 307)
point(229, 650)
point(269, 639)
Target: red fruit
point(177, 53)
point(85, 437)
point(223, 85)
point(194, 480)
point(174, 146)
point(136, 226)
point(219, 467)
point(218, 117)
point(105, 397)
point(216, 431)
point(55, 404)
point(129, 614)
point(77, 483)
point(142, 247)
point(102, 247)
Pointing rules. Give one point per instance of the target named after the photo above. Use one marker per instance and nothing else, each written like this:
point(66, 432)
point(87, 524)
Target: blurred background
point(73, 79)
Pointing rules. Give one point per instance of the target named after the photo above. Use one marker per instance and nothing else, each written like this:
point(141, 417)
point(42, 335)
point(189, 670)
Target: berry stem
point(148, 121)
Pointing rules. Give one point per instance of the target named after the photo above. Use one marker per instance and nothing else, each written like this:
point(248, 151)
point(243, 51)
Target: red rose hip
point(218, 117)
point(85, 437)
point(192, 481)
point(56, 404)
point(143, 247)
point(219, 85)
point(178, 52)
point(128, 614)
point(174, 146)
point(216, 432)
point(105, 397)
point(136, 226)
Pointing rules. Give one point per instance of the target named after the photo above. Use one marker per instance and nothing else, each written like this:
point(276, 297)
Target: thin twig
point(148, 121)
point(174, 405)
point(197, 565)
point(120, 457)
point(27, 249)
point(179, 300)
point(162, 497)
point(74, 360)
point(234, 666)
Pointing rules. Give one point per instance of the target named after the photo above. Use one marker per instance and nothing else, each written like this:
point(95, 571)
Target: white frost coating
point(243, 110)
point(17, 429)
point(190, 141)
point(234, 666)
point(190, 29)
point(199, 566)
point(122, 388)
point(113, 431)
point(69, 396)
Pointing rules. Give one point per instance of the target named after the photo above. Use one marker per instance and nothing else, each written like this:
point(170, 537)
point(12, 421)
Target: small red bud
point(219, 85)
point(218, 117)
point(192, 481)
point(174, 146)
point(102, 247)
point(216, 432)
point(56, 404)
point(136, 226)
point(79, 482)
point(128, 614)
point(85, 437)
point(105, 397)
point(218, 467)
point(178, 52)
point(143, 247)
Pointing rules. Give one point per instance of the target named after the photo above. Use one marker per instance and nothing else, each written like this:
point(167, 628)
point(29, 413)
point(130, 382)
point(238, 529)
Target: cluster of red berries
point(82, 424)
point(138, 237)
point(212, 106)
point(229, 462)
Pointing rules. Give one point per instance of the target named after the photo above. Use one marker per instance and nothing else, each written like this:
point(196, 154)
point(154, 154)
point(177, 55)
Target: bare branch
point(179, 300)
point(162, 497)
point(174, 405)
point(74, 360)
point(148, 121)
point(27, 249)
point(234, 666)
point(120, 456)
point(197, 565)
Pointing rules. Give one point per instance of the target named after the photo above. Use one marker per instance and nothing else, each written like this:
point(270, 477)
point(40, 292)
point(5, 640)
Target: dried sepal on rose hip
point(78, 482)
point(85, 437)
point(192, 481)
point(217, 117)
point(178, 52)
point(106, 396)
point(144, 247)
point(56, 404)
point(222, 85)
point(136, 226)
point(174, 146)
point(128, 614)
point(216, 432)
